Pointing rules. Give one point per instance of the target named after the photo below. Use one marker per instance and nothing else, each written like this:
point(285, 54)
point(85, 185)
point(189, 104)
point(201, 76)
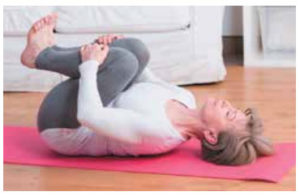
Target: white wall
point(233, 21)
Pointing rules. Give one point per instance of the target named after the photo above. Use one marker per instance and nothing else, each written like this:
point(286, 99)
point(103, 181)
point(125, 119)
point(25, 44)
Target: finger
point(105, 41)
point(110, 39)
point(105, 49)
point(101, 46)
point(102, 40)
point(120, 36)
point(83, 48)
point(89, 46)
point(98, 39)
point(96, 46)
point(114, 37)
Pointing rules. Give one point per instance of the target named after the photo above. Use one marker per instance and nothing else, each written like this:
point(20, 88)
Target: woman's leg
point(59, 48)
point(59, 107)
point(136, 47)
point(67, 60)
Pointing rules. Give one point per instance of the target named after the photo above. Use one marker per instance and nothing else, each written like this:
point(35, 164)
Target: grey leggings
point(125, 61)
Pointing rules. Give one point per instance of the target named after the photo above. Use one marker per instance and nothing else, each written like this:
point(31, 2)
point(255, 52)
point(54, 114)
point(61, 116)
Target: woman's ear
point(211, 136)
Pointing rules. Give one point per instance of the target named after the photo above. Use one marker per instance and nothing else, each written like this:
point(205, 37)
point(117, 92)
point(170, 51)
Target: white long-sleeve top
point(134, 123)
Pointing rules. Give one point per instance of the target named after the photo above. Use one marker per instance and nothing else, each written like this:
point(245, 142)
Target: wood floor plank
point(271, 90)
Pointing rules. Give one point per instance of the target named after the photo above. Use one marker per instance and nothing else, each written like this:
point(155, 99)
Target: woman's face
point(220, 115)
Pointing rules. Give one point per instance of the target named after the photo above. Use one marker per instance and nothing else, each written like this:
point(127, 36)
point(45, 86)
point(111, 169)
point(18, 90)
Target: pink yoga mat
point(22, 145)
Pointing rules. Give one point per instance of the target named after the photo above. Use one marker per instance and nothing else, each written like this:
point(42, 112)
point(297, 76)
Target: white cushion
point(121, 19)
point(17, 20)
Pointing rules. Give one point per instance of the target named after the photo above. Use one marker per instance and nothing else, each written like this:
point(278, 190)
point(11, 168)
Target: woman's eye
point(215, 102)
point(230, 115)
point(227, 114)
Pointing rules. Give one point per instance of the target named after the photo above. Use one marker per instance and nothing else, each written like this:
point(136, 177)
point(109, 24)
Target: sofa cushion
point(18, 19)
point(95, 19)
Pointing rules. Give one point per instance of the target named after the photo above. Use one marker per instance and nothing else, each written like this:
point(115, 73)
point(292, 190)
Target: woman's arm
point(116, 123)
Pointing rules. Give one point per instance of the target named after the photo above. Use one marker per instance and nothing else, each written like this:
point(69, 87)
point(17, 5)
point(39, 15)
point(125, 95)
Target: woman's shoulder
point(188, 98)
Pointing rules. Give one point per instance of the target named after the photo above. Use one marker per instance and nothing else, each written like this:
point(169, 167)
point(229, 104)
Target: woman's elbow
point(83, 118)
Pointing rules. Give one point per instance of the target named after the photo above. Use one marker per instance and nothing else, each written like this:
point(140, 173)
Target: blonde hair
point(233, 149)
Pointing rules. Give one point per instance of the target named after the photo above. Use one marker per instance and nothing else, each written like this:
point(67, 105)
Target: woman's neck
point(186, 121)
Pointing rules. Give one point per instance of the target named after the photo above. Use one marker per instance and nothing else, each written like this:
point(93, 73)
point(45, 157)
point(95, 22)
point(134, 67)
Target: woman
point(113, 105)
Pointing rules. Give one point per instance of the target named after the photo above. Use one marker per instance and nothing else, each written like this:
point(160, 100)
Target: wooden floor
point(272, 91)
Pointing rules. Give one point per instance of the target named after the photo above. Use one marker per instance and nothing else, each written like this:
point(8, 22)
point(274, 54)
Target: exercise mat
point(22, 145)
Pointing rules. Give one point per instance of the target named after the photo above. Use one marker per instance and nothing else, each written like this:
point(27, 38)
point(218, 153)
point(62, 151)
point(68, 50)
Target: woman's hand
point(108, 39)
point(94, 52)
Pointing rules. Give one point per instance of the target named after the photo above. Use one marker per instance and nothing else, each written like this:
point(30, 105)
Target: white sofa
point(185, 42)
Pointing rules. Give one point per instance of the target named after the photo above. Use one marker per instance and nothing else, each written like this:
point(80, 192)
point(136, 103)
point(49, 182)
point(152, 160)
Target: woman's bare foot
point(39, 37)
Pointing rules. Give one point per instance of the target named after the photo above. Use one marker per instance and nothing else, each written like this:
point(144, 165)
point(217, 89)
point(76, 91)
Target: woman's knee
point(117, 75)
point(136, 46)
point(123, 62)
point(58, 109)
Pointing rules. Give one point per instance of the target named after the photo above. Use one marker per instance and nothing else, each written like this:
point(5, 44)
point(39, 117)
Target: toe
point(40, 24)
point(43, 22)
point(47, 19)
point(52, 20)
point(54, 15)
point(36, 26)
